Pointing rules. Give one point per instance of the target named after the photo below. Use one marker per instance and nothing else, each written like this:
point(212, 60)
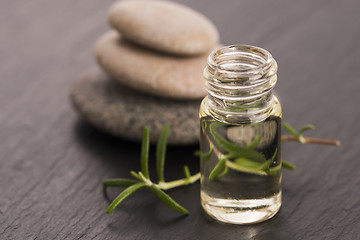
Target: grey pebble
point(120, 111)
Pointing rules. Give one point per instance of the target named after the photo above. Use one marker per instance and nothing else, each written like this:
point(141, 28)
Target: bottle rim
point(241, 59)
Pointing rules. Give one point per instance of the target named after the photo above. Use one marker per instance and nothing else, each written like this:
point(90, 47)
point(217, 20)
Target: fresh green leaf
point(168, 200)
point(268, 162)
point(306, 128)
point(218, 169)
point(123, 195)
point(266, 166)
point(197, 153)
point(161, 152)
point(247, 163)
point(242, 168)
point(119, 182)
point(290, 129)
point(299, 134)
point(288, 165)
point(254, 143)
point(223, 173)
point(274, 155)
point(206, 156)
point(136, 175)
point(187, 174)
point(274, 171)
point(250, 154)
point(145, 153)
point(223, 143)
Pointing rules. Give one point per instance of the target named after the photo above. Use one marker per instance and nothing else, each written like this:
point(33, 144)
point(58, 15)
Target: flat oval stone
point(151, 72)
point(165, 26)
point(120, 111)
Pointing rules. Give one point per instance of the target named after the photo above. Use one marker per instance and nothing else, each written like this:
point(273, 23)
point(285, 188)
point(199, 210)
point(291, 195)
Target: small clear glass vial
point(240, 136)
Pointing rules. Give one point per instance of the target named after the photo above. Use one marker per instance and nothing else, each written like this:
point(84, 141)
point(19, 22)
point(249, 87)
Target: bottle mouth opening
point(240, 73)
point(240, 59)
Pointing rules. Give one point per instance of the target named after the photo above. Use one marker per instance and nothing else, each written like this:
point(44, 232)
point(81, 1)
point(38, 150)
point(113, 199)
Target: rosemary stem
point(145, 180)
point(178, 183)
point(311, 140)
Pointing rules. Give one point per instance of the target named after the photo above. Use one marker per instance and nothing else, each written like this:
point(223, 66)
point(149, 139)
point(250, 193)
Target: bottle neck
point(240, 80)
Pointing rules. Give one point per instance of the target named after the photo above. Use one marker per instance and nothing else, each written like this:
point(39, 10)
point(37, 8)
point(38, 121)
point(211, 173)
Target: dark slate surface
point(52, 164)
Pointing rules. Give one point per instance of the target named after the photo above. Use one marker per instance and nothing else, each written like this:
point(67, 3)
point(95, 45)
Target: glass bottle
point(240, 136)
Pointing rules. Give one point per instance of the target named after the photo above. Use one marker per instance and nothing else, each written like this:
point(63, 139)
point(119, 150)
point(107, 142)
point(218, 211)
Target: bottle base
point(245, 211)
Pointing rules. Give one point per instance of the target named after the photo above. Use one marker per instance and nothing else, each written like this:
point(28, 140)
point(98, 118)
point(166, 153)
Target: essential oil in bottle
point(240, 136)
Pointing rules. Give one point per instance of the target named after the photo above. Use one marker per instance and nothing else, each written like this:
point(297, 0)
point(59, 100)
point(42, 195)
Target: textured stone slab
point(122, 112)
point(165, 26)
point(148, 71)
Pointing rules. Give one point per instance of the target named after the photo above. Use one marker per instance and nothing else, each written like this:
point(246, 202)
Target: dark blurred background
point(52, 164)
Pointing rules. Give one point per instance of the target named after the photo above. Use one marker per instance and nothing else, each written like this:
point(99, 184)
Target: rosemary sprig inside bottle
point(234, 156)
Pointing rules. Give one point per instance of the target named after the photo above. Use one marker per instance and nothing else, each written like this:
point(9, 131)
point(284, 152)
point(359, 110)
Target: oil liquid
point(247, 186)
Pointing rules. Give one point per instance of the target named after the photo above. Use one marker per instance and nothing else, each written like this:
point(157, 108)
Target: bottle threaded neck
point(239, 80)
point(240, 73)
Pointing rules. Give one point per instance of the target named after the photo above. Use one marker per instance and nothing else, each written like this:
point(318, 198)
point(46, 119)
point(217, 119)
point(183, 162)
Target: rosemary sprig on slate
point(142, 178)
point(298, 136)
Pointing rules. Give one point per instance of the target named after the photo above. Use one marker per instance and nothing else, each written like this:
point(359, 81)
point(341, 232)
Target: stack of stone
point(153, 61)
